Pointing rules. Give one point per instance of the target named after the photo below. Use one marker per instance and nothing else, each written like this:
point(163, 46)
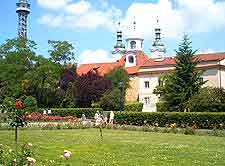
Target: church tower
point(119, 46)
point(23, 10)
point(134, 44)
point(158, 49)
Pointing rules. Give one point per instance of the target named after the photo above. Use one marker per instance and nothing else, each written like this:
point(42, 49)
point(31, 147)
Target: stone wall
point(132, 91)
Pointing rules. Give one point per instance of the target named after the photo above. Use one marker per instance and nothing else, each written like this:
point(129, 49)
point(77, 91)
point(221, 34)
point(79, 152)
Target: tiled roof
point(102, 68)
point(171, 60)
point(211, 56)
point(142, 61)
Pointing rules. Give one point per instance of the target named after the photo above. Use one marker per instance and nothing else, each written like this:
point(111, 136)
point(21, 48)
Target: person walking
point(111, 117)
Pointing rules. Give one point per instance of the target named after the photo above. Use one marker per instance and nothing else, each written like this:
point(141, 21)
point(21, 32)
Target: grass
point(119, 147)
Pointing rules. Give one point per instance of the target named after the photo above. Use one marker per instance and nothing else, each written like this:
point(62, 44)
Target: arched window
point(132, 44)
point(131, 59)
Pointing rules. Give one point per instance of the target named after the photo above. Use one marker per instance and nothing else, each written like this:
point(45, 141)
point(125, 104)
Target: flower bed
point(43, 117)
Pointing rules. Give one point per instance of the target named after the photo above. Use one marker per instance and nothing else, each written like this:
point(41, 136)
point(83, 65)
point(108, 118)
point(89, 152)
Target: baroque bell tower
point(158, 49)
point(23, 10)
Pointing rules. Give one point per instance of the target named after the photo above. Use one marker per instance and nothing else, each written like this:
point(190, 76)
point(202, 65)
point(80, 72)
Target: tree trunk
point(16, 139)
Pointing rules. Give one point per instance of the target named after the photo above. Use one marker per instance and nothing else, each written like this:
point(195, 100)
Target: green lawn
point(123, 148)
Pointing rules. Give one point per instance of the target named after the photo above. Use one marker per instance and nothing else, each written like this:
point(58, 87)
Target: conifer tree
point(180, 85)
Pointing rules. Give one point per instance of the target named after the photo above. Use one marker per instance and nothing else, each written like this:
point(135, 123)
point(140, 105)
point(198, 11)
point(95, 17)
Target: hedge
point(89, 112)
point(195, 107)
point(204, 120)
point(133, 107)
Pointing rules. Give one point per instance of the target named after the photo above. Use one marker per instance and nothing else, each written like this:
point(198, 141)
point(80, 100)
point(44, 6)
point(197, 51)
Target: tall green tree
point(184, 82)
point(17, 57)
point(61, 52)
point(42, 81)
point(114, 98)
point(118, 75)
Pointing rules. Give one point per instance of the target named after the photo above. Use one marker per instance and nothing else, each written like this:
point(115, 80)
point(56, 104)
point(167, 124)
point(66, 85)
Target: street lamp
point(121, 100)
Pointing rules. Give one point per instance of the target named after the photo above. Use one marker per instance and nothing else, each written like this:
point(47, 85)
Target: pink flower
point(67, 153)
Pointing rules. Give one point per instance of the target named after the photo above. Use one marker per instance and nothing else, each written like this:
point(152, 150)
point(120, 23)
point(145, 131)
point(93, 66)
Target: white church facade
point(145, 71)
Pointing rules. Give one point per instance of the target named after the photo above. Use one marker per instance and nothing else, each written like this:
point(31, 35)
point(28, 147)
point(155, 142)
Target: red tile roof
point(211, 56)
point(142, 60)
point(171, 60)
point(102, 68)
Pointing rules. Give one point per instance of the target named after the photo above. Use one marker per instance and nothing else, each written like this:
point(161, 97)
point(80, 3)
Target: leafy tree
point(90, 87)
point(118, 75)
point(179, 86)
point(62, 51)
point(209, 99)
point(111, 100)
point(17, 57)
point(42, 81)
point(22, 72)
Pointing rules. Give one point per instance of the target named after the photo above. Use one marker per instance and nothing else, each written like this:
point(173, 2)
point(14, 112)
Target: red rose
point(19, 104)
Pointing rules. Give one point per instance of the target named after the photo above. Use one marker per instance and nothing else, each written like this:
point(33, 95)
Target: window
point(131, 59)
point(132, 44)
point(160, 82)
point(146, 84)
point(201, 80)
point(147, 100)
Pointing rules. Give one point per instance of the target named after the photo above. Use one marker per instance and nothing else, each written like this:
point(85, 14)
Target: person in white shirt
point(111, 117)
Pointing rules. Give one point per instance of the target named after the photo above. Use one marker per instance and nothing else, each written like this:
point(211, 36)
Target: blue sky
point(91, 24)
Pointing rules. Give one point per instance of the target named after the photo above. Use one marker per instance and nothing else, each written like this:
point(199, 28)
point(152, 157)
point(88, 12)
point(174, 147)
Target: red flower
point(19, 104)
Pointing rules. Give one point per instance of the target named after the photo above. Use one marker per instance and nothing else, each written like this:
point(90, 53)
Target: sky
point(90, 25)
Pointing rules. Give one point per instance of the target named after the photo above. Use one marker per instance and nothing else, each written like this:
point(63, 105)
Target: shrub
point(134, 107)
point(8, 102)
point(95, 105)
point(162, 106)
point(77, 112)
point(30, 104)
point(208, 100)
point(3, 117)
point(182, 119)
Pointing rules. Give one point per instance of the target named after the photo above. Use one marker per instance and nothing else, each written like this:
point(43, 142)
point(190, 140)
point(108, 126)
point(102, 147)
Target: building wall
point(222, 78)
point(212, 77)
point(132, 91)
point(146, 93)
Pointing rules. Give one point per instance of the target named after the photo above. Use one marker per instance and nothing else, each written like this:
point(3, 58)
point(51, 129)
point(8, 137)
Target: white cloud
point(206, 51)
point(97, 56)
point(176, 16)
point(50, 20)
point(79, 7)
point(146, 15)
point(89, 56)
point(80, 15)
point(202, 15)
point(53, 4)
